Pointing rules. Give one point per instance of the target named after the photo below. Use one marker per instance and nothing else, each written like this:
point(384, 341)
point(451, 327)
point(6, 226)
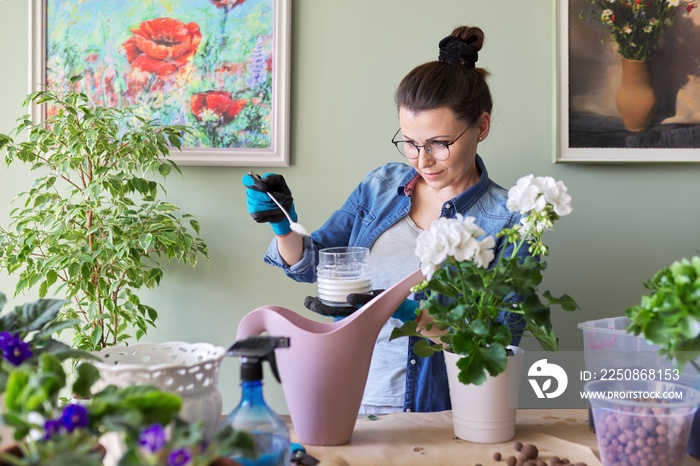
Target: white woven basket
point(190, 370)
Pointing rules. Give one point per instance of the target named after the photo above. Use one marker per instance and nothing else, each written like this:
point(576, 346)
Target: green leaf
point(408, 329)
point(16, 384)
point(480, 361)
point(164, 169)
point(87, 375)
point(425, 349)
point(95, 337)
point(565, 301)
point(195, 226)
point(34, 316)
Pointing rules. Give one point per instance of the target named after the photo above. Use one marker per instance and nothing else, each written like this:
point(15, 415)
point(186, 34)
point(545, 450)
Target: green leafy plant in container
point(669, 315)
point(93, 226)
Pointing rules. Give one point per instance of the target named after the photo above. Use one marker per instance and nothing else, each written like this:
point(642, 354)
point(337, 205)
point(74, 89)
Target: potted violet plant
point(26, 333)
point(118, 426)
point(49, 431)
point(467, 292)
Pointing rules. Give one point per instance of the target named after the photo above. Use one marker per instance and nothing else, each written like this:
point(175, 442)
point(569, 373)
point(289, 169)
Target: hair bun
point(454, 50)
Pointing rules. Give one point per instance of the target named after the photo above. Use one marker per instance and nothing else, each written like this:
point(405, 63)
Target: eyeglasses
point(438, 150)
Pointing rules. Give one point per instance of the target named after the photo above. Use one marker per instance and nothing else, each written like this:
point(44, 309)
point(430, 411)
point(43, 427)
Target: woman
point(444, 111)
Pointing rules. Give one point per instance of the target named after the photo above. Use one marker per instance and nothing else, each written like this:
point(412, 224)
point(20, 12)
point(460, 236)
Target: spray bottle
point(252, 415)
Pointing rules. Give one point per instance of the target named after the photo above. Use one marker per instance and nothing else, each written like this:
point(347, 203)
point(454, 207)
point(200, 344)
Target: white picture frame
point(601, 64)
point(275, 152)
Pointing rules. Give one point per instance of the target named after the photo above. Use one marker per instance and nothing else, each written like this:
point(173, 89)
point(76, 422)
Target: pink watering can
point(324, 371)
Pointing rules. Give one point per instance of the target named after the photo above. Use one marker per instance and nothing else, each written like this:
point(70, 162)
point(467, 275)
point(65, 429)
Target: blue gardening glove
point(262, 208)
point(405, 313)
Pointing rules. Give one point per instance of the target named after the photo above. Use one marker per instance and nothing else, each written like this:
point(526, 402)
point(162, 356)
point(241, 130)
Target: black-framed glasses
point(438, 150)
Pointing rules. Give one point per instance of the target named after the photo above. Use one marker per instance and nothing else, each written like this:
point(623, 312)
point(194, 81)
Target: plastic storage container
point(607, 345)
point(642, 422)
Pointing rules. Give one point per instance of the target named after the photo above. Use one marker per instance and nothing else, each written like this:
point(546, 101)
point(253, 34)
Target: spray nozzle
point(253, 351)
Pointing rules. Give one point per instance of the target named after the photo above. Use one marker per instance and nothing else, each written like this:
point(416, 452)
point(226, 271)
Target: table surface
point(427, 439)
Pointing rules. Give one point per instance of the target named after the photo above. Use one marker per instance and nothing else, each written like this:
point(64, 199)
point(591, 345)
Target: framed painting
point(600, 52)
point(220, 67)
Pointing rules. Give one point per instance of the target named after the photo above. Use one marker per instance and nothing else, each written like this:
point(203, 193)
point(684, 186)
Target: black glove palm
point(354, 302)
point(405, 313)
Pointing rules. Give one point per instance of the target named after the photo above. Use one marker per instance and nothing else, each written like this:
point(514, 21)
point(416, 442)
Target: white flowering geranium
point(466, 291)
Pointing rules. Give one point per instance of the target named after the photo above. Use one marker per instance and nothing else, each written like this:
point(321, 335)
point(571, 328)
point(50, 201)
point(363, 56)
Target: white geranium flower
point(448, 237)
point(535, 225)
point(434, 245)
point(516, 192)
point(428, 269)
point(532, 199)
point(557, 195)
point(485, 254)
point(674, 2)
point(466, 249)
point(469, 224)
point(544, 182)
point(535, 193)
point(431, 247)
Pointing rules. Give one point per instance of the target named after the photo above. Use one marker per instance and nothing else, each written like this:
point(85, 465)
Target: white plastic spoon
point(297, 228)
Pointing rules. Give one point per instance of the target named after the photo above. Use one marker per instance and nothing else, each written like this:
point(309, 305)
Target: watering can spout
point(325, 371)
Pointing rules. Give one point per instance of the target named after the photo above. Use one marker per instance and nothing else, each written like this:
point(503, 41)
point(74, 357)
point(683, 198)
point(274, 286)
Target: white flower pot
point(486, 413)
point(190, 370)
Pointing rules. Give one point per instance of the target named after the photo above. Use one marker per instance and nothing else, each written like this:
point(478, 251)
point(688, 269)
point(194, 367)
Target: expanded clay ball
point(497, 456)
point(529, 451)
point(518, 446)
point(511, 461)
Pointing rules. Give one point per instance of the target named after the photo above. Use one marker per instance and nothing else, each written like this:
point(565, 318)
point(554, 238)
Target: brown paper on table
point(428, 439)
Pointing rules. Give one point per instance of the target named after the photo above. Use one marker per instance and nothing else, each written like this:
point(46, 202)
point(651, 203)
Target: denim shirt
point(379, 201)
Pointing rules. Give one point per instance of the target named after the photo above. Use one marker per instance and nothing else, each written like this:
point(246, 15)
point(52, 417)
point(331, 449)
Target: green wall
point(347, 57)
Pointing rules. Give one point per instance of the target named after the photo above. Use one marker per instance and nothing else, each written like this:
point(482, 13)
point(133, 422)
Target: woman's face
point(458, 172)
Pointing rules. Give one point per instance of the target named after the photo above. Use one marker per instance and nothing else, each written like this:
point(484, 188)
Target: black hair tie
point(453, 50)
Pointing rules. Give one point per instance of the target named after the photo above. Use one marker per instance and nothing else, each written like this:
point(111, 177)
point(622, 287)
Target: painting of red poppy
point(219, 67)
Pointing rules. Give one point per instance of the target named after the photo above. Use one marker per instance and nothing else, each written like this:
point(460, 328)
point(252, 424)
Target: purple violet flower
point(74, 416)
point(153, 438)
point(52, 427)
point(179, 457)
point(4, 338)
point(14, 349)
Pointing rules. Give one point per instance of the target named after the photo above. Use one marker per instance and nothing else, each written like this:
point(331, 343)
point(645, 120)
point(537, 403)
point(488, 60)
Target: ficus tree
point(93, 226)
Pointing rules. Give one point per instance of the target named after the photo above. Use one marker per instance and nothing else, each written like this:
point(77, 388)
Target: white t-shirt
point(392, 258)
